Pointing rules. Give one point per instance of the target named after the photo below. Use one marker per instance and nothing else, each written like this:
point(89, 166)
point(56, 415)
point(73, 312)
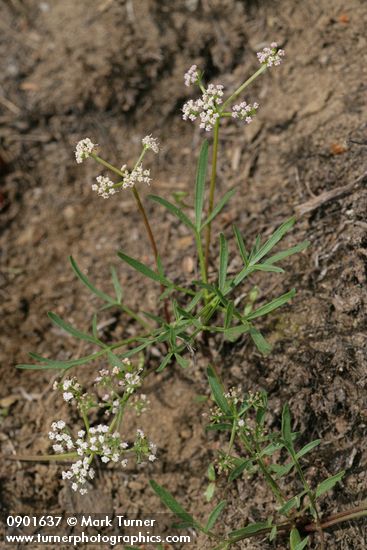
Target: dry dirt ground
point(112, 70)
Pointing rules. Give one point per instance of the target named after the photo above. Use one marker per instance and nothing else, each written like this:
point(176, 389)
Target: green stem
point(268, 477)
point(141, 210)
point(239, 90)
point(202, 264)
point(310, 496)
point(211, 194)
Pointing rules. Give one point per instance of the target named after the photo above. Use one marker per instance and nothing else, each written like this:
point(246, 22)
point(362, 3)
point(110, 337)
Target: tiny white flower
point(241, 423)
point(67, 396)
point(83, 150)
point(271, 55)
point(191, 76)
point(58, 448)
point(150, 142)
point(105, 459)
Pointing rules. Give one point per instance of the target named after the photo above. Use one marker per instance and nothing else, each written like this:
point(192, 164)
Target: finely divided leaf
point(84, 279)
point(329, 483)
point(215, 515)
point(262, 345)
point(307, 448)
point(285, 253)
point(219, 207)
point(249, 529)
point(217, 390)
point(116, 285)
point(70, 329)
point(172, 503)
point(145, 270)
point(274, 239)
point(174, 210)
point(241, 245)
point(286, 427)
point(271, 306)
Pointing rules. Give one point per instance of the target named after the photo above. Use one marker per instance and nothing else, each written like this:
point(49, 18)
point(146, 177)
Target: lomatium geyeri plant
point(213, 302)
point(115, 391)
point(255, 449)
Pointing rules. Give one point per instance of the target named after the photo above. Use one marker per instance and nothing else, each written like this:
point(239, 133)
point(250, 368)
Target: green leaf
point(70, 329)
point(291, 503)
point(215, 515)
point(301, 545)
point(231, 334)
point(329, 483)
point(145, 270)
point(116, 285)
point(262, 345)
point(285, 253)
point(217, 209)
point(241, 246)
point(217, 391)
point(271, 306)
point(281, 469)
point(273, 533)
point(200, 183)
point(307, 448)
point(220, 427)
point(249, 529)
point(184, 363)
point(174, 210)
point(84, 279)
point(229, 315)
point(286, 427)
point(172, 503)
point(209, 491)
point(94, 327)
point(266, 267)
point(115, 361)
point(238, 470)
point(296, 543)
point(211, 472)
point(274, 239)
point(165, 362)
point(223, 262)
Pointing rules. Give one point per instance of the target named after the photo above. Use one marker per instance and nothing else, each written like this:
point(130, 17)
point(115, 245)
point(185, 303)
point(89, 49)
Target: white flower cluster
point(137, 175)
point(140, 403)
point(105, 187)
point(70, 388)
point(233, 395)
point(78, 475)
point(83, 149)
point(150, 142)
point(191, 76)
point(59, 434)
point(98, 442)
point(206, 107)
point(245, 111)
point(271, 55)
point(131, 381)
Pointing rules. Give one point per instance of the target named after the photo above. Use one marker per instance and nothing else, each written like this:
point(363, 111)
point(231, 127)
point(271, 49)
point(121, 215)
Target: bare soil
point(112, 70)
